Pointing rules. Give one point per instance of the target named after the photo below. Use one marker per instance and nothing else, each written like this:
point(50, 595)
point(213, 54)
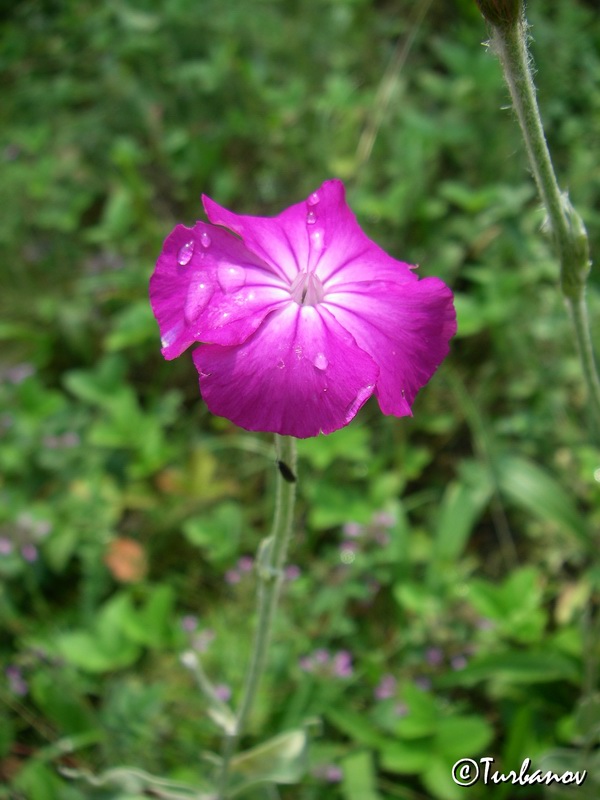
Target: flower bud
point(501, 13)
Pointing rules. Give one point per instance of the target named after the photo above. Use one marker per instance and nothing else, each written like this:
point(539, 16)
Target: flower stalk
point(509, 42)
point(270, 570)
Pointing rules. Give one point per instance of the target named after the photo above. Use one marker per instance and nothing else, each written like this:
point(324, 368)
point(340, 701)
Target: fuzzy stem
point(566, 226)
point(270, 564)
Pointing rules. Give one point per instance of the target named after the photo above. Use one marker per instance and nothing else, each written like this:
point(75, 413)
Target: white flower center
point(307, 289)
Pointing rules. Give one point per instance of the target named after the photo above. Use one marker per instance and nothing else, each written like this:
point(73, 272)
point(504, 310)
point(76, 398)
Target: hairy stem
point(270, 564)
point(567, 228)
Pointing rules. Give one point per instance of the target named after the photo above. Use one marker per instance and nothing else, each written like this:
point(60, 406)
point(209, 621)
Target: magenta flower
point(301, 317)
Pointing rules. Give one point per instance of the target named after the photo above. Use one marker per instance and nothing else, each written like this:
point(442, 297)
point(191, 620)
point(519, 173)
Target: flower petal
point(319, 234)
point(300, 374)
point(282, 241)
point(405, 327)
point(208, 287)
point(347, 253)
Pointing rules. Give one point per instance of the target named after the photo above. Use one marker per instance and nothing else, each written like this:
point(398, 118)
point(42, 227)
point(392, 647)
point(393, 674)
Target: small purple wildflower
point(400, 710)
point(386, 687)
point(292, 572)
point(245, 564)
point(189, 623)
point(223, 692)
point(383, 519)
point(306, 664)
point(6, 546)
point(458, 662)
point(19, 373)
point(201, 640)
point(434, 656)
point(331, 773)
point(29, 553)
point(381, 537)
point(65, 441)
point(352, 530)
point(232, 576)
point(342, 664)
point(423, 683)
point(16, 683)
point(338, 665)
point(321, 656)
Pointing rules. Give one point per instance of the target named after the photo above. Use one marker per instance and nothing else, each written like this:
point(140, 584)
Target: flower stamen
point(307, 289)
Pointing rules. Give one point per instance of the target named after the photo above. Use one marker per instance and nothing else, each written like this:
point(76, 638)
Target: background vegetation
point(442, 599)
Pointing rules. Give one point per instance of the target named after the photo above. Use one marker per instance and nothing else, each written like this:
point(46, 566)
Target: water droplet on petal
point(321, 361)
point(199, 293)
point(298, 350)
point(361, 398)
point(204, 239)
point(280, 364)
point(230, 277)
point(313, 199)
point(311, 218)
point(184, 256)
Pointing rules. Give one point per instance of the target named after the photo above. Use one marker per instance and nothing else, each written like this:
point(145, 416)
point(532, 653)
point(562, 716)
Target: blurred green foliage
point(451, 556)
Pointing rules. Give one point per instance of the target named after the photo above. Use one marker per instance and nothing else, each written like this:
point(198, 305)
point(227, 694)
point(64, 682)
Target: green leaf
point(282, 759)
point(88, 652)
point(359, 782)
point(516, 667)
point(461, 506)
point(357, 727)
point(409, 757)
point(457, 736)
point(437, 778)
point(38, 782)
point(423, 717)
point(351, 443)
point(515, 606)
point(62, 703)
point(133, 326)
point(217, 531)
point(587, 718)
point(150, 625)
point(535, 490)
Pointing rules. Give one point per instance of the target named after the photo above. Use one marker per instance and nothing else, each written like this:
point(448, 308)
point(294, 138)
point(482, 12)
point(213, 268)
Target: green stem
point(270, 564)
point(567, 228)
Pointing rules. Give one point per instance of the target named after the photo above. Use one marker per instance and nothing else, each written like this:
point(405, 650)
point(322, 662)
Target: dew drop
point(230, 277)
point(280, 364)
point(311, 218)
point(313, 199)
point(321, 361)
point(204, 239)
point(298, 351)
point(184, 256)
point(199, 293)
point(361, 398)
